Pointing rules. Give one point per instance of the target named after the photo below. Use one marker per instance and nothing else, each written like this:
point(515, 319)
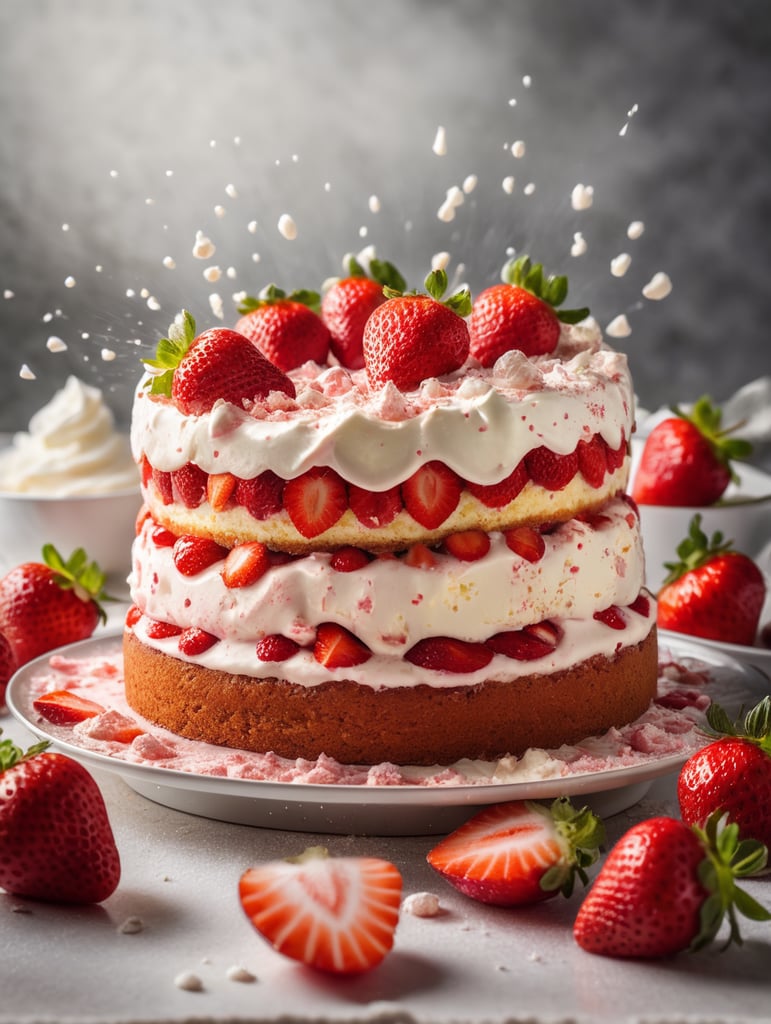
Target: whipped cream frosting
point(72, 447)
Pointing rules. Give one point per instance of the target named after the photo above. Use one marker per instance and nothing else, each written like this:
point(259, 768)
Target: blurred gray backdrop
point(124, 124)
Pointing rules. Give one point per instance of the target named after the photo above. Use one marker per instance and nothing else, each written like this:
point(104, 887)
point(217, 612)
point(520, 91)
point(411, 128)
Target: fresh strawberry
point(45, 605)
point(641, 605)
point(550, 470)
point(686, 460)
point(527, 644)
point(63, 707)
point(335, 647)
point(667, 886)
point(194, 554)
point(285, 328)
point(592, 460)
point(189, 484)
point(411, 337)
point(348, 303)
point(732, 774)
point(420, 556)
point(163, 485)
point(133, 615)
point(245, 564)
point(520, 314)
point(500, 494)
point(432, 494)
point(712, 591)
point(276, 648)
point(467, 545)
point(316, 500)
point(220, 487)
point(611, 617)
point(156, 629)
point(448, 654)
point(7, 666)
point(261, 496)
point(526, 541)
point(56, 843)
point(614, 457)
point(163, 538)
point(336, 914)
point(520, 852)
point(194, 640)
point(349, 559)
point(218, 364)
point(375, 508)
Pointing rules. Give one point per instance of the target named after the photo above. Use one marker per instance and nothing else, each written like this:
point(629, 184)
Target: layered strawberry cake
point(416, 553)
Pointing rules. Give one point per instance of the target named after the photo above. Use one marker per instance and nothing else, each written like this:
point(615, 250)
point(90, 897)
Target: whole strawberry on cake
point(425, 558)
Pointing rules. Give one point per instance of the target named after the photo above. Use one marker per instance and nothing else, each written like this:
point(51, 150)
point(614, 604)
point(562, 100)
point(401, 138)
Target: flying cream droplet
point(619, 327)
point(440, 142)
point(287, 227)
point(658, 287)
point(55, 344)
point(582, 197)
point(620, 264)
point(635, 229)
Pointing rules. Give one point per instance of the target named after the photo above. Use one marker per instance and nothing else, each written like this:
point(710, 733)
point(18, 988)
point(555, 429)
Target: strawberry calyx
point(271, 294)
point(11, 755)
point(78, 574)
point(436, 286)
point(755, 726)
point(552, 290)
point(381, 271)
point(695, 550)
point(169, 353)
point(708, 418)
point(582, 833)
point(727, 857)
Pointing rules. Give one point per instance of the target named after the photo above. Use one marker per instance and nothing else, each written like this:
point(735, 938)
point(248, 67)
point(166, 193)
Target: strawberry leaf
point(78, 574)
point(385, 273)
point(169, 354)
point(583, 833)
point(552, 290)
point(695, 550)
point(11, 755)
point(708, 418)
point(754, 727)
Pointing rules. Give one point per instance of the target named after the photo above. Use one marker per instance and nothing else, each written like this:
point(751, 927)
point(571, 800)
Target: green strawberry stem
point(755, 727)
point(695, 550)
point(552, 290)
point(79, 574)
point(583, 833)
point(169, 354)
point(271, 294)
point(381, 271)
point(11, 755)
point(707, 418)
point(727, 858)
point(436, 285)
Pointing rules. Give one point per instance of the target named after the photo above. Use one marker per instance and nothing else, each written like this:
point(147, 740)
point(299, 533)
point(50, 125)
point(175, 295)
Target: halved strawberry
point(335, 647)
point(432, 494)
point(133, 615)
point(156, 629)
point(63, 707)
point(500, 494)
point(420, 556)
point(316, 500)
point(641, 605)
point(162, 538)
point(195, 640)
point(194, 554)
point(261, 496)
point(468, 545)
point(527, 644)
point(163, 485)
point(592, 460)
point(520, 852)
point(448, 654)
point(550, 470)
point(189, 484)
point(615, 456)
point(334, 914)
point(375, 508)
point(611, 616)
point(526, 541)
point(349, 559)
point(245, 564)
point(276, 647)
point(219, 490)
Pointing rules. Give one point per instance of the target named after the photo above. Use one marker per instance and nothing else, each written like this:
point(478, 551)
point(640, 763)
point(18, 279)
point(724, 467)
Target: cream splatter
point(203, 248)
point(658, 287)
point(287, 227)
point(619, 327)
point(620, 264)
point(582, 197)
point(579, 246)
point(635, 229)
point(440, 142)
point(55, 344)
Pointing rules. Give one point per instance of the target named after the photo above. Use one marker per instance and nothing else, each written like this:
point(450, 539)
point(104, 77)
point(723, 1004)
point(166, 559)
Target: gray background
point(351, 93)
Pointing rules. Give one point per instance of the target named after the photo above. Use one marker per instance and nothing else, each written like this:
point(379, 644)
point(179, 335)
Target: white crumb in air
point(635, 229)
point(113, 174)
point(153, 303)
point(529, 189)
point(421, 904)
point(363, 231)
point(69, 282)
point(287, 227)
point(130, 293)
point(327, 186)
point(534, 958)
point(149, 201)
point(440, 142)
point(453, 199)
point(620, 264)
point(619, 327)
point(238, 973)
point(579, 246)
point(470, 182)
point(144, 293)
point(440, 261)
point(231, 191)
point(55, 344)
point(508, 184)
point(219, 211)
point(169, 262)
point(131, 926)
point(212, 274)
point(232, 273)
point(65, 227)
point(8, 294)
point(169, 174)
point(527, 81)
point(107, 355)
point(374, 204)
point(236, 140)
point(518, 149)
point(188, 982)
point(47, 318)
point(217, 306)
point(256, 257)
point(512, 102)
point(212, 143)
point(582, 197)
point(251, 227)
point(99, 268)
point(85, 335)
point(26, 374)
point(203, 247)
point(658, 287)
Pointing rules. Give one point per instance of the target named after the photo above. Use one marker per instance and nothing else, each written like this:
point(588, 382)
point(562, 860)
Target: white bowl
point(101, 524)
point(743, 515)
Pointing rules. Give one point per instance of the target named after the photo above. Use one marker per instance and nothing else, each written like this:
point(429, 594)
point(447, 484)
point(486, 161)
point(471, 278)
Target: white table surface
point(471, 963)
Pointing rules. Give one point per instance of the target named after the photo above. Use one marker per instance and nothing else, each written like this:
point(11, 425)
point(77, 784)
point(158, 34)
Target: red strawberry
point(219, 490)
point(500, 494)
point(611, 616)
point(335, 647)
point(194, 640)
point(63, 707)
point(686, 460)
point(732, 774)
point(349, 559)
point(641, 605)
point(419, 556)
point(189, 484)
point(335, 914)
point(55, 836)
point(468, 545)
point(218, 364)
point(550, 470)
point(316, 500)
point(7, 666)
point(526, 541)
point(432, 494)
point(666, 886)
point(520, 314)
point(447, 654)
point(528, 644)
point(347, 305)
point(163, 538)
point(520, 852)
point(592, 460)
point(276, 648)
point(261, 496)
point(46, 605)
point(411, 337)
point(158, 630)
point(194, 554)
point(245, 564)
point(285, 328)
point(614, 457)
point(712, 591)
point(163, 485)
point(375, 508)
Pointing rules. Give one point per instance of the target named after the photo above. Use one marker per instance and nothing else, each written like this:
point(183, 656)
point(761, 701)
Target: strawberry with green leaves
point(335, 914)
point(349, 302)
point(686, 459)
point(521, 313)
point(712, 591)
point(287, 329)
point(413, 336)
point(194, 371)
point(521, 852)
point(667, 886)
point(732, 774)
point(56, 842)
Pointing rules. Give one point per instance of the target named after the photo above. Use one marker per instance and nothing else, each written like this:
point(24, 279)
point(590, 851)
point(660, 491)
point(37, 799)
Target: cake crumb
point(238, 973)
point(203, 247)
point(579, 246)
point(518, 149)
point(55, 344)
point(421, 904)
point(440, 141)
point(620, 264)
point(70, 282)
point(287, 227)
point(188, 982)
point(658, 287)
point(635, 229)
point(132, 926)
point(26, 373)
point(618, 327)
point(582, 197)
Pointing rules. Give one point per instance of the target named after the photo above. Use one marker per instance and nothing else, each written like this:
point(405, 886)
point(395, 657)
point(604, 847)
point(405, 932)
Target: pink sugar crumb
point(111, 726)
point(151, 748)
